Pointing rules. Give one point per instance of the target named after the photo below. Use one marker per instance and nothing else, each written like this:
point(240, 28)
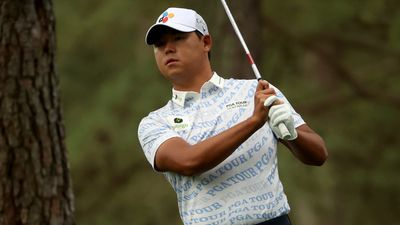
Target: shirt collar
point(180, 97)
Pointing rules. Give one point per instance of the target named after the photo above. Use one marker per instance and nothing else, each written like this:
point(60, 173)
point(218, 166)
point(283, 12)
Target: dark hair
point(199, 35)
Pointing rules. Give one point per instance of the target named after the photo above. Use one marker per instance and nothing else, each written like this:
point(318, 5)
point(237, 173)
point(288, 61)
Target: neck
point(193, 82)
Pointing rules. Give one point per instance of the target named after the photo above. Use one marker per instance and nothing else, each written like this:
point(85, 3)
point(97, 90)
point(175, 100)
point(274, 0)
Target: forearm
point(308, 147)
point(212, 151)
point(176, 155)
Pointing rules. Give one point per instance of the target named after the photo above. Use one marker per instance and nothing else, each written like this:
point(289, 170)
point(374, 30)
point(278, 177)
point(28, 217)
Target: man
point(216, 139)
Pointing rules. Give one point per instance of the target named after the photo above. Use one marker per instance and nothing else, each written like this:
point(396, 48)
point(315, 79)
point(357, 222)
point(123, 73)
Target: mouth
point(169, 61)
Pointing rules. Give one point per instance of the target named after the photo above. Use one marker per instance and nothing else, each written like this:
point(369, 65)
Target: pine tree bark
point(35, 186)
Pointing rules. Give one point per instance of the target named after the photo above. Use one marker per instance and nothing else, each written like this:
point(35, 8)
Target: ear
point(207, 40)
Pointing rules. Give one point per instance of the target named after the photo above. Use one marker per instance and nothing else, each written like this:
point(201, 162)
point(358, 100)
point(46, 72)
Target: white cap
point(185, 20)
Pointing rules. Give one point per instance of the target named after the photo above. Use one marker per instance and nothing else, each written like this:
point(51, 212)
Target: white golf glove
point(280, 116)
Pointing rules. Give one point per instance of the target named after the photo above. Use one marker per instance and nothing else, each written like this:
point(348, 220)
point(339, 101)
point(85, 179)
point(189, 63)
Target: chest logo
point(179, 123)
point(178, 120)
point(237, 104)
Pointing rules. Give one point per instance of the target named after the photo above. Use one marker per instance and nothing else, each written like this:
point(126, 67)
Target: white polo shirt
point(243, 189)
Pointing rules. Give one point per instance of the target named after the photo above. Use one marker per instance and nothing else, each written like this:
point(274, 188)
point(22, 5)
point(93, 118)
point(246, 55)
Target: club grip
point(284, 131)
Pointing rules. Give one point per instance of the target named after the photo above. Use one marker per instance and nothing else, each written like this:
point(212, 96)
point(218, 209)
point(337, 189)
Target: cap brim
point(154, 32)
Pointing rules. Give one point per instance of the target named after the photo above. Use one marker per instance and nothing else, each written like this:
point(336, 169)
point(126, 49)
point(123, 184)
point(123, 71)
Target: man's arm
point(308, 147)
point(176, 155)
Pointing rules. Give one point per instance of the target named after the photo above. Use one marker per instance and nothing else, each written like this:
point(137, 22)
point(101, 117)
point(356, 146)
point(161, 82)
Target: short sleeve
point(152, 132)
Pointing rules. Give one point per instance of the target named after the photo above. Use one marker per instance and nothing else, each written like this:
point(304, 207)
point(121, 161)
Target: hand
point(279, 115)
point(262, 93)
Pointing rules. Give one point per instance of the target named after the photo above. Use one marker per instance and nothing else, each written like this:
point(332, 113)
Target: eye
point(180, 36)
point(159, 43)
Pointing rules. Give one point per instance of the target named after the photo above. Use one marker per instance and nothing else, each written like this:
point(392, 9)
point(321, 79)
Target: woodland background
point(338, 62)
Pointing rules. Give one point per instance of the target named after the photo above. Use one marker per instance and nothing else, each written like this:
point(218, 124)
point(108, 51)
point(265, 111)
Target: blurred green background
point(338, 62)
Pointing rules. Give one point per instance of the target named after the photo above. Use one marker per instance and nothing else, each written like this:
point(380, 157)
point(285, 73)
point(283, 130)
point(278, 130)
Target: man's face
point(179, 55)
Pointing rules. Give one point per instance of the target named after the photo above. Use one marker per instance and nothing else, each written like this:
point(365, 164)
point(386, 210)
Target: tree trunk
point(35, 186)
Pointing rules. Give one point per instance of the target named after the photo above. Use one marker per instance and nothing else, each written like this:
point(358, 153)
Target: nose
point(169, 47)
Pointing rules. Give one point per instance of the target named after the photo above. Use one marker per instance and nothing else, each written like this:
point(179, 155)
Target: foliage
point(336, 61)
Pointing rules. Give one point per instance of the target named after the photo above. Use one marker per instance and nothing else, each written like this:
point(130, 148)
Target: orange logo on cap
point(165, 16)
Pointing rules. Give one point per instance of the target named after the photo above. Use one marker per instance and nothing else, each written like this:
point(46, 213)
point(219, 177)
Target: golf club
point(282, 127)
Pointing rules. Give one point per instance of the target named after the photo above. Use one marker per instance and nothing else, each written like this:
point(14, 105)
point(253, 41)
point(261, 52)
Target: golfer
point(216, 139)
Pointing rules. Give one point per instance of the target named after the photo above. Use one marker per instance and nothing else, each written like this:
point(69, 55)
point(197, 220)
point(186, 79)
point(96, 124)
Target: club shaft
point(284, 131)
point(237, 31)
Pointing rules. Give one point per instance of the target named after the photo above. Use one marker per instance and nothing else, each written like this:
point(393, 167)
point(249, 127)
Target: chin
point(171, 73)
